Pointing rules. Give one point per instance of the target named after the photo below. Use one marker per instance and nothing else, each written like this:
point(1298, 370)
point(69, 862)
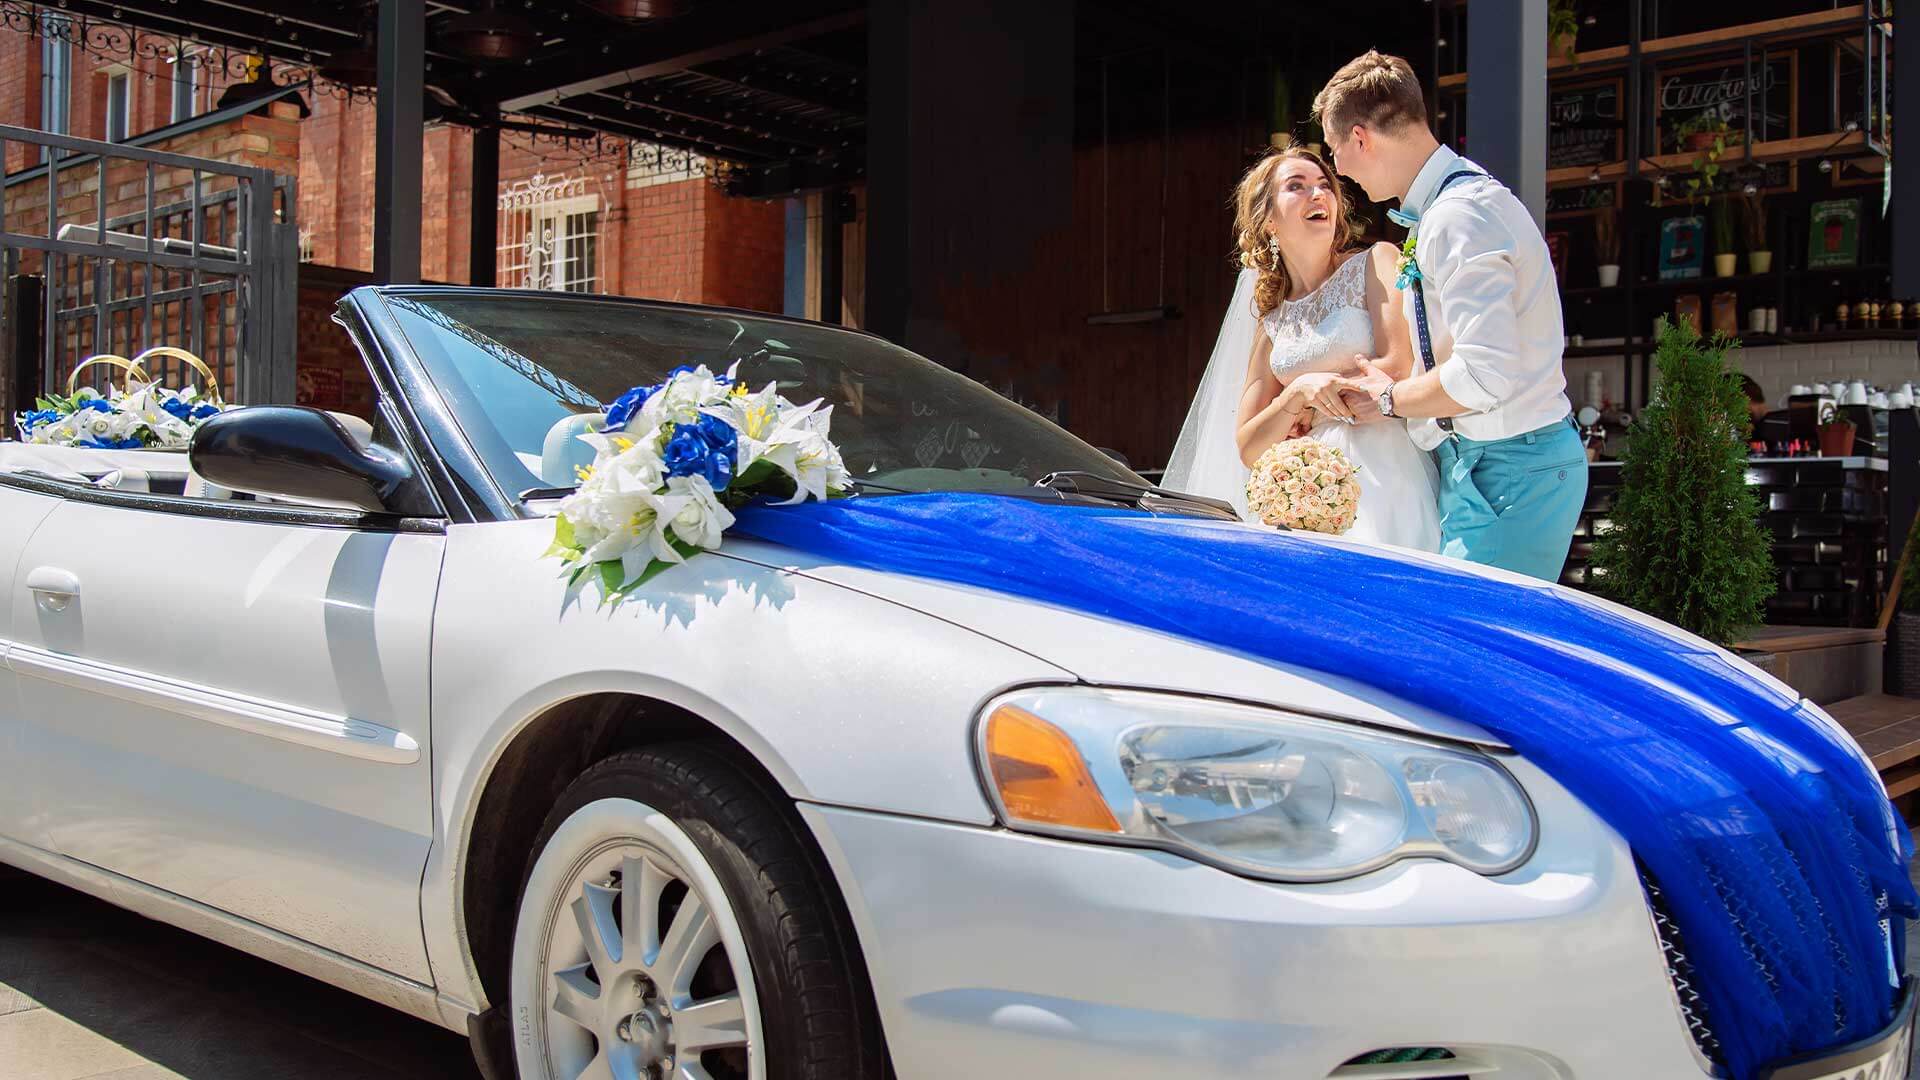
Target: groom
point(1487, 395)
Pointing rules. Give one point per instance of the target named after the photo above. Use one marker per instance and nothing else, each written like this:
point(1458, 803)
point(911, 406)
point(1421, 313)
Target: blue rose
point(691, 452)
point(719, 434)
point(177, 408)
point(96, 404)
point(203, 410)
point(39, 417)
point(92, 442)
point(626, 405)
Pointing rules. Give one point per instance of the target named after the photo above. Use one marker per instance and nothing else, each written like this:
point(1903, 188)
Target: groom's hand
point(1362, 391)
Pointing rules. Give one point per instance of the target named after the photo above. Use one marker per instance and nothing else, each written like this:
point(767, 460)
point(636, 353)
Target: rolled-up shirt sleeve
point(1467, 260)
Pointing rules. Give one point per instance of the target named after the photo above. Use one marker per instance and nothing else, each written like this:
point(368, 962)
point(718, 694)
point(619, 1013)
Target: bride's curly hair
point(1253, 202)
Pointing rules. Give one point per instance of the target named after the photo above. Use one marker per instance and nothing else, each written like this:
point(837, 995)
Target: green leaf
point(563, 532)
point(756, 473)
point(612, 576)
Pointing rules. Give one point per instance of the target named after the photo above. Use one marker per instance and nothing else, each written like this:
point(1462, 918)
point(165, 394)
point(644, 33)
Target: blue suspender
point(1420, 298)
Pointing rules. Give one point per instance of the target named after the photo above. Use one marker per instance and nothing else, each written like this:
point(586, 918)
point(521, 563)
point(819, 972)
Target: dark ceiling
point(777, 90)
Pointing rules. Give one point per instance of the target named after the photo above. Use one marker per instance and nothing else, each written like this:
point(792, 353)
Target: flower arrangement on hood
point(142, 416)
point(671, 461)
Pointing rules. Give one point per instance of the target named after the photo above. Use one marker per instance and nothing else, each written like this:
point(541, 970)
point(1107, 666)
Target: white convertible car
point(320, 698)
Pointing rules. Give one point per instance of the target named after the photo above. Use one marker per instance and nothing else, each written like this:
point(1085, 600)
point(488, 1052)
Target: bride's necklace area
point(1332, 267)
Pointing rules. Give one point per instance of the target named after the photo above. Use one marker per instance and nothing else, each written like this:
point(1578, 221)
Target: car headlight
point(1258, 791)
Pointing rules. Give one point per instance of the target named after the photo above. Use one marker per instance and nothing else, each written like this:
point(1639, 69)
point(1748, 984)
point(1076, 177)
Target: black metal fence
point(107, 248)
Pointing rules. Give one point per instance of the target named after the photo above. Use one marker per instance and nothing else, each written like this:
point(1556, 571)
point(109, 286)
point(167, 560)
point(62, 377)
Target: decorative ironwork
point(550, 234)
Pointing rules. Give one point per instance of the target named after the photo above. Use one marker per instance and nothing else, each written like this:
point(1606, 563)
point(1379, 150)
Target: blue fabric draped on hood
point(1770, 836)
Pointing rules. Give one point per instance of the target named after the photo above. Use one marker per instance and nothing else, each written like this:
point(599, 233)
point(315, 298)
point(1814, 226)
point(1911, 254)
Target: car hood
point(1110, 652)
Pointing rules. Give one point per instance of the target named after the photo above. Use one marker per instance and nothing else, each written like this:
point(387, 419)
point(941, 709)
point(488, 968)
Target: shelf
point(1814, 25)
point(1777, 150)
point(1736, 281)
point(1754, 341)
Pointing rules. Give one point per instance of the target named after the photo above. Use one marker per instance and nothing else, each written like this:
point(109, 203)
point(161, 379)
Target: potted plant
point(1753, 212)
point(1606, 245)
point(1708, 135)
point(1724, 257)
point(1903, 651)
point(1685, 542)
point(1563, 29)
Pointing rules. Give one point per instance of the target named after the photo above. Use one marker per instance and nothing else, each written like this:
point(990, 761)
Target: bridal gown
point(1322, 331)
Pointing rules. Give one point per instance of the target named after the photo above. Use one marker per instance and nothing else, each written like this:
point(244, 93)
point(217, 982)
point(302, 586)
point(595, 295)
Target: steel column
point(398, 129)
point(483, 228)
point(1507, 95)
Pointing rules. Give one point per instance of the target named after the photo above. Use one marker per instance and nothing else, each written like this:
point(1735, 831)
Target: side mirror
point(290, 452)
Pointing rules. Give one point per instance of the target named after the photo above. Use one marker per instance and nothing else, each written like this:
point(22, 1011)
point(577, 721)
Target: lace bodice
point(1323, 330)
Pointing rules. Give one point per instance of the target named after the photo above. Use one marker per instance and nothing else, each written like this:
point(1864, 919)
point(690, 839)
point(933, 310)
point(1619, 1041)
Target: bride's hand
point(1317, 390)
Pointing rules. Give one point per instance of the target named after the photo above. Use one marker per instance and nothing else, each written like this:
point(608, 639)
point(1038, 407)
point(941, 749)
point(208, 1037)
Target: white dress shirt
point(1493, 306)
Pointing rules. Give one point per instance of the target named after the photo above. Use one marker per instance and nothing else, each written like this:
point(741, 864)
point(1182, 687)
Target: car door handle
point(55, 588)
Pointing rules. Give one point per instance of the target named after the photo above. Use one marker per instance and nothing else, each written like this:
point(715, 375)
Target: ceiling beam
point(236, 30)
point(738, 115)
point(686, 135)
point(842, 95)
point(712, 33)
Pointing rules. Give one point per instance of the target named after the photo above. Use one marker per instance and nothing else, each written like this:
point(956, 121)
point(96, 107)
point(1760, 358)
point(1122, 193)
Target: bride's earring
point(1273, 252)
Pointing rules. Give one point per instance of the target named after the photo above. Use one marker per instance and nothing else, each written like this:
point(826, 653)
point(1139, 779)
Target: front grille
point(1404, 1063)
point(1680, 972)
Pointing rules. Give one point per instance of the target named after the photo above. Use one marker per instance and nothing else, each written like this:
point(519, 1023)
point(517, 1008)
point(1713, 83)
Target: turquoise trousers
point(1513, 502)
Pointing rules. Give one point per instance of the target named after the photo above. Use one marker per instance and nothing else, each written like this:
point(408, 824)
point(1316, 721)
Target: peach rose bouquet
point(1304, 484)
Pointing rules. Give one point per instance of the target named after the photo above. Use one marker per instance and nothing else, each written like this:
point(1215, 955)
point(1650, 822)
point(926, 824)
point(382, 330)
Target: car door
point(21, 512)
point(229, 701)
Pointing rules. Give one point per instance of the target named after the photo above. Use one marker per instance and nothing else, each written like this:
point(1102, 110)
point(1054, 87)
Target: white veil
point(1205, 460)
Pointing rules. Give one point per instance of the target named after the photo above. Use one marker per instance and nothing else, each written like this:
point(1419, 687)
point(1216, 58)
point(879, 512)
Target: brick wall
point(329, 373)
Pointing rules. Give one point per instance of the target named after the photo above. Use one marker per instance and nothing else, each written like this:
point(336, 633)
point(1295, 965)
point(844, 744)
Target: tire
point(689, 847)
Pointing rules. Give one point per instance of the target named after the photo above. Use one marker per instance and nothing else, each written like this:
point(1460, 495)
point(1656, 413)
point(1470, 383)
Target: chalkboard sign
point(1720, 88)
point(1584, 199)
point(1583, 126)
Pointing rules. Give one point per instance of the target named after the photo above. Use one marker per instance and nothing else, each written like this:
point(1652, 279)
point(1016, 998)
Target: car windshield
point(524, 374)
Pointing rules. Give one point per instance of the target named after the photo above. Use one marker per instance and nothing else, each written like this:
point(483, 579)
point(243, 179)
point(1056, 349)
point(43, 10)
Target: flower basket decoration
point(672, 461)
point(141, 415)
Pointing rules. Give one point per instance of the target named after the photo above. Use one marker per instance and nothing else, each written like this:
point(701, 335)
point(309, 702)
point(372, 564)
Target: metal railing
point(135, 248)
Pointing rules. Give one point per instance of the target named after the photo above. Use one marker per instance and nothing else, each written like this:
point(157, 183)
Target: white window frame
point(56, 75)
point(186, 77)
point(119, 104)
point(536, 218)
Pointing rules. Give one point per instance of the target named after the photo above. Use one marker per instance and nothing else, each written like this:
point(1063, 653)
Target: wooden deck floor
point(1888, 729)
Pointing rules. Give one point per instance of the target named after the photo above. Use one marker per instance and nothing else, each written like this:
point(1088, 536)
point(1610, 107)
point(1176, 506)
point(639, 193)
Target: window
point(56, 75)
point(119, 105)
point(186, 92)
point(550, 235)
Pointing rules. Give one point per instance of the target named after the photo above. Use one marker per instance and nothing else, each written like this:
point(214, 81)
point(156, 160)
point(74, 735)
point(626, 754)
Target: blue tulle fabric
point(1772, 839)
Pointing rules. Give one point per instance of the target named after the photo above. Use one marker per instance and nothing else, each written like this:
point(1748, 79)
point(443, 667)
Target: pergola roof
point(771, 88)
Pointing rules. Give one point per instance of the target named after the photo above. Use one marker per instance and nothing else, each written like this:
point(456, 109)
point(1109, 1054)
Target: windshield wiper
point(1139, 496)
point(533, 494)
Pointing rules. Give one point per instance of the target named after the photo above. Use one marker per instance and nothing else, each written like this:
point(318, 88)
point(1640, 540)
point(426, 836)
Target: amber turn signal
point(1040, 775)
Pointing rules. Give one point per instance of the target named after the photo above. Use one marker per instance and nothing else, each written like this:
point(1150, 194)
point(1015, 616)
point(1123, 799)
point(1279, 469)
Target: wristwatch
point(1386, 400)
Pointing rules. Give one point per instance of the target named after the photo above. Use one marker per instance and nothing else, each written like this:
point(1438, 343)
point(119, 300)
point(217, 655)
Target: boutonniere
point(1408, 268)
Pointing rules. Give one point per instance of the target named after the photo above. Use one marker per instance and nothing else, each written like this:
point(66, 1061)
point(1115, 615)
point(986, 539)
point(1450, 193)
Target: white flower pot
point(1609, 275)
point(1725, 263)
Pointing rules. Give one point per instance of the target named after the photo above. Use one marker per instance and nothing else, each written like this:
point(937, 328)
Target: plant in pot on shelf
point(1685, 542)
point(1753, 214)
point(1563, 30)
point(1725, 259)
point(1708, 135)
point(1606, 245)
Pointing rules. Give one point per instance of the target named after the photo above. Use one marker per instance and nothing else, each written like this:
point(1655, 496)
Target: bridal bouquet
point(671, 461)
point(1304, 484)
point(141, 416)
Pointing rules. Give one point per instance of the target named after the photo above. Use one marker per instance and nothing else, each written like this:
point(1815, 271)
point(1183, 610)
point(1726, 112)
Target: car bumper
point(998, 954)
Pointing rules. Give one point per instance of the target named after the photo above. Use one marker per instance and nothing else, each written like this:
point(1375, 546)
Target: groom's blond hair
point(1375, 90)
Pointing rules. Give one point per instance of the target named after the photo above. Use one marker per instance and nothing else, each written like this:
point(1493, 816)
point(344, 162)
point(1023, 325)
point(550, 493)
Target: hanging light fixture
point(637, 10)
point(490, 32)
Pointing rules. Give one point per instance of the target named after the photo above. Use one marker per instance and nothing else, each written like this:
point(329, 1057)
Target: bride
point(1311, 304)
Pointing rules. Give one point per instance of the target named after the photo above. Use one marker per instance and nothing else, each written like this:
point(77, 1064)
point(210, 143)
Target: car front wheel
point(674, 924)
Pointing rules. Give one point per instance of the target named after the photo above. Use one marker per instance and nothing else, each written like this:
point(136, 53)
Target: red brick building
point(609, 217)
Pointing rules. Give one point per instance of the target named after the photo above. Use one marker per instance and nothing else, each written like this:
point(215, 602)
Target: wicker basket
point(1903, 655)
